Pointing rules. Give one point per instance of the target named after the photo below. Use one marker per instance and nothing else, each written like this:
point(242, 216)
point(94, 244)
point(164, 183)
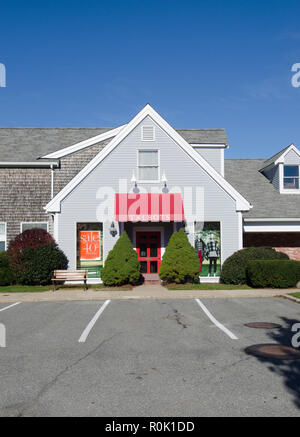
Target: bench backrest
point(70, 274)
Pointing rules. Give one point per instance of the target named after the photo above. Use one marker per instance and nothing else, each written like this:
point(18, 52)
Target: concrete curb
point(292, 298)
point(139, 293)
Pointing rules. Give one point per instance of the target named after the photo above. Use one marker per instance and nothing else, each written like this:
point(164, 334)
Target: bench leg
point(54, 286)
point(85, 285)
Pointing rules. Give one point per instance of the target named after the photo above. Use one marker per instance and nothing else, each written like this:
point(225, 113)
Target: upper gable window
point(148, 133)
point(291, 177)
point(148, 165)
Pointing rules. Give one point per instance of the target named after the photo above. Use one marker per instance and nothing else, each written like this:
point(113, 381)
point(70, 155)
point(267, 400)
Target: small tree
point(29, 238)
point(39, 263)
point(122, 265)
point(180, 262)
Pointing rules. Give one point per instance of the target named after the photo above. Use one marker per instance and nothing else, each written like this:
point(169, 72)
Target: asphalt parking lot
point(146, 358)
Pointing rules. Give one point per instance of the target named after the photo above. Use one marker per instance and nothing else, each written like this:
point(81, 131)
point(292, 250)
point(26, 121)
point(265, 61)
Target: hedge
point(273, 273)
point(180, 262)
point(122, 265)
point(234, 268)
point(6, 274)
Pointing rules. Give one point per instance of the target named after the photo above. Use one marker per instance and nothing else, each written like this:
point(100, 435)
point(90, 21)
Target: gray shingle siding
point(23, 194)
point(71, 165)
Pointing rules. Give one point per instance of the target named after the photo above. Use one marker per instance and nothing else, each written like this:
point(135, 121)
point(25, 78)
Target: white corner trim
point(241, 203)
point(83, 144)
point(280, 160)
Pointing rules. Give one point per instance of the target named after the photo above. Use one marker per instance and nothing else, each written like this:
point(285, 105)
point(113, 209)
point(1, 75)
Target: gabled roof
point(241, 203)
point(279, 157)
point(29, 144)
point(245, 176)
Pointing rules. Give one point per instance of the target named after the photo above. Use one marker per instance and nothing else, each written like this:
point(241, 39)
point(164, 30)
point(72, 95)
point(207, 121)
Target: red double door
point(148, 246)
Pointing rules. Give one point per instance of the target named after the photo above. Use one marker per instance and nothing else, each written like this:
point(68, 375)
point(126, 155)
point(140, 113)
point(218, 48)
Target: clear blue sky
point(200, 64)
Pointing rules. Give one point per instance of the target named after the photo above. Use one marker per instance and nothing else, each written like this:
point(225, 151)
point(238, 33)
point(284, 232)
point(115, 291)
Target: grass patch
point(25, 288)
point(295, 294)
point(208, 287)
point(42, 288)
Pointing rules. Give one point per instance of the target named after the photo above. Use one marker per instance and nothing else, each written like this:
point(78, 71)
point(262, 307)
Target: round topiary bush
point(122, 265)
point(180, 262)
point(234, 268)
point(39, 263)
point(6, 275)
point(30, 238)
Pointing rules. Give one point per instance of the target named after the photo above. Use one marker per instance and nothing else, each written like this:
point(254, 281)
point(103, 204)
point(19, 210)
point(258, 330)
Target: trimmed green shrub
point(122, 265)
point(6, 275)
point(273, 273)
point(234, 268)
point(180, 262)
point(39, 263)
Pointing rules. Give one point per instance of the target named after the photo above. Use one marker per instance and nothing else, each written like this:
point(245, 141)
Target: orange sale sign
point(90, 245)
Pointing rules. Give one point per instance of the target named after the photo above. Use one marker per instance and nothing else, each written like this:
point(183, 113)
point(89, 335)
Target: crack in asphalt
point(178, 318)
point(53, 381)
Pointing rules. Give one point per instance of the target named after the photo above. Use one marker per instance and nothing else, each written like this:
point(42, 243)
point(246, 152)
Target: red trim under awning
point(149, 207)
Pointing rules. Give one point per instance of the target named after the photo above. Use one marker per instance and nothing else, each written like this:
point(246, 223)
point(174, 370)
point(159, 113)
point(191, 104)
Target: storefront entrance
point(148, 246)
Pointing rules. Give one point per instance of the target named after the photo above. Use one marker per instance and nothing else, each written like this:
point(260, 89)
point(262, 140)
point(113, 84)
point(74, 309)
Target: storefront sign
point(90, 245)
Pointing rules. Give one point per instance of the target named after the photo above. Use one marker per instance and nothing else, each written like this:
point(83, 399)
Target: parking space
point(144, 357)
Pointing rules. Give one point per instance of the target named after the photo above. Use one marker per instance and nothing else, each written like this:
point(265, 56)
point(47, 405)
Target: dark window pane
point(143, 266)
point(291, 170)
point(143, 250)
point(153, 237)
point(2, 245)
point(153, 249)
point(153, 267)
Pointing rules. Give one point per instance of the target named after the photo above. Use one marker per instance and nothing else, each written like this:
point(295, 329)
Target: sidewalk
point(141, 292)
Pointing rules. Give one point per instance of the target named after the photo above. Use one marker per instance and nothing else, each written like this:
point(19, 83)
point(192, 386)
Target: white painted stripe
point(6, 308)
point(89, 327)
point(215, 321)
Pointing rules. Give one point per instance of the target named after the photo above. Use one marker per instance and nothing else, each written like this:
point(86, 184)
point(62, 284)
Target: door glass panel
point(153, 267)
point(153, 250)
point(143, 250)
point(153, 237)
point(143, 266)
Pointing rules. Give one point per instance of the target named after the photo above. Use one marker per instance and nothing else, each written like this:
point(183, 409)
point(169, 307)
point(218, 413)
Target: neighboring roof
point(241, 203)
point(278, 155)
point(267, 202)
point(204, 136)
point(29, 144)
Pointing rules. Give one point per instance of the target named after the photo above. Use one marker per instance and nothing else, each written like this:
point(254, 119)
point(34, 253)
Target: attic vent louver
point(148, 133)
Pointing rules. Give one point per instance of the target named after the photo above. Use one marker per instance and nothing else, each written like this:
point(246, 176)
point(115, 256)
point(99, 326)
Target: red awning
point(154, 207)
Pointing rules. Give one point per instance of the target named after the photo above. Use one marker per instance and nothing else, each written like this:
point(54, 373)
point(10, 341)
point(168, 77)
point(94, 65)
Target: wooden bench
point(69, 275)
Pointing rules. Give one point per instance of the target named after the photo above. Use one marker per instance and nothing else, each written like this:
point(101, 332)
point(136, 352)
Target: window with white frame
point(33, 225)
point(291, 177)
point(2, 236)
point(148, 165)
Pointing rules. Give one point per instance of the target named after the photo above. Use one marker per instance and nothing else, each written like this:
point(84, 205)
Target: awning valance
point(149, 207)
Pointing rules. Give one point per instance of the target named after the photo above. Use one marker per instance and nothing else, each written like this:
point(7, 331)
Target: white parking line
point(89, 327)
point(6, 308)
point(215, 321)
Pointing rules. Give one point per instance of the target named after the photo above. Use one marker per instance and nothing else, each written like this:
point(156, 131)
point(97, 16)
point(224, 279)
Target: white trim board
point(241, 203)
point(83, 144)
point(272, 226)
